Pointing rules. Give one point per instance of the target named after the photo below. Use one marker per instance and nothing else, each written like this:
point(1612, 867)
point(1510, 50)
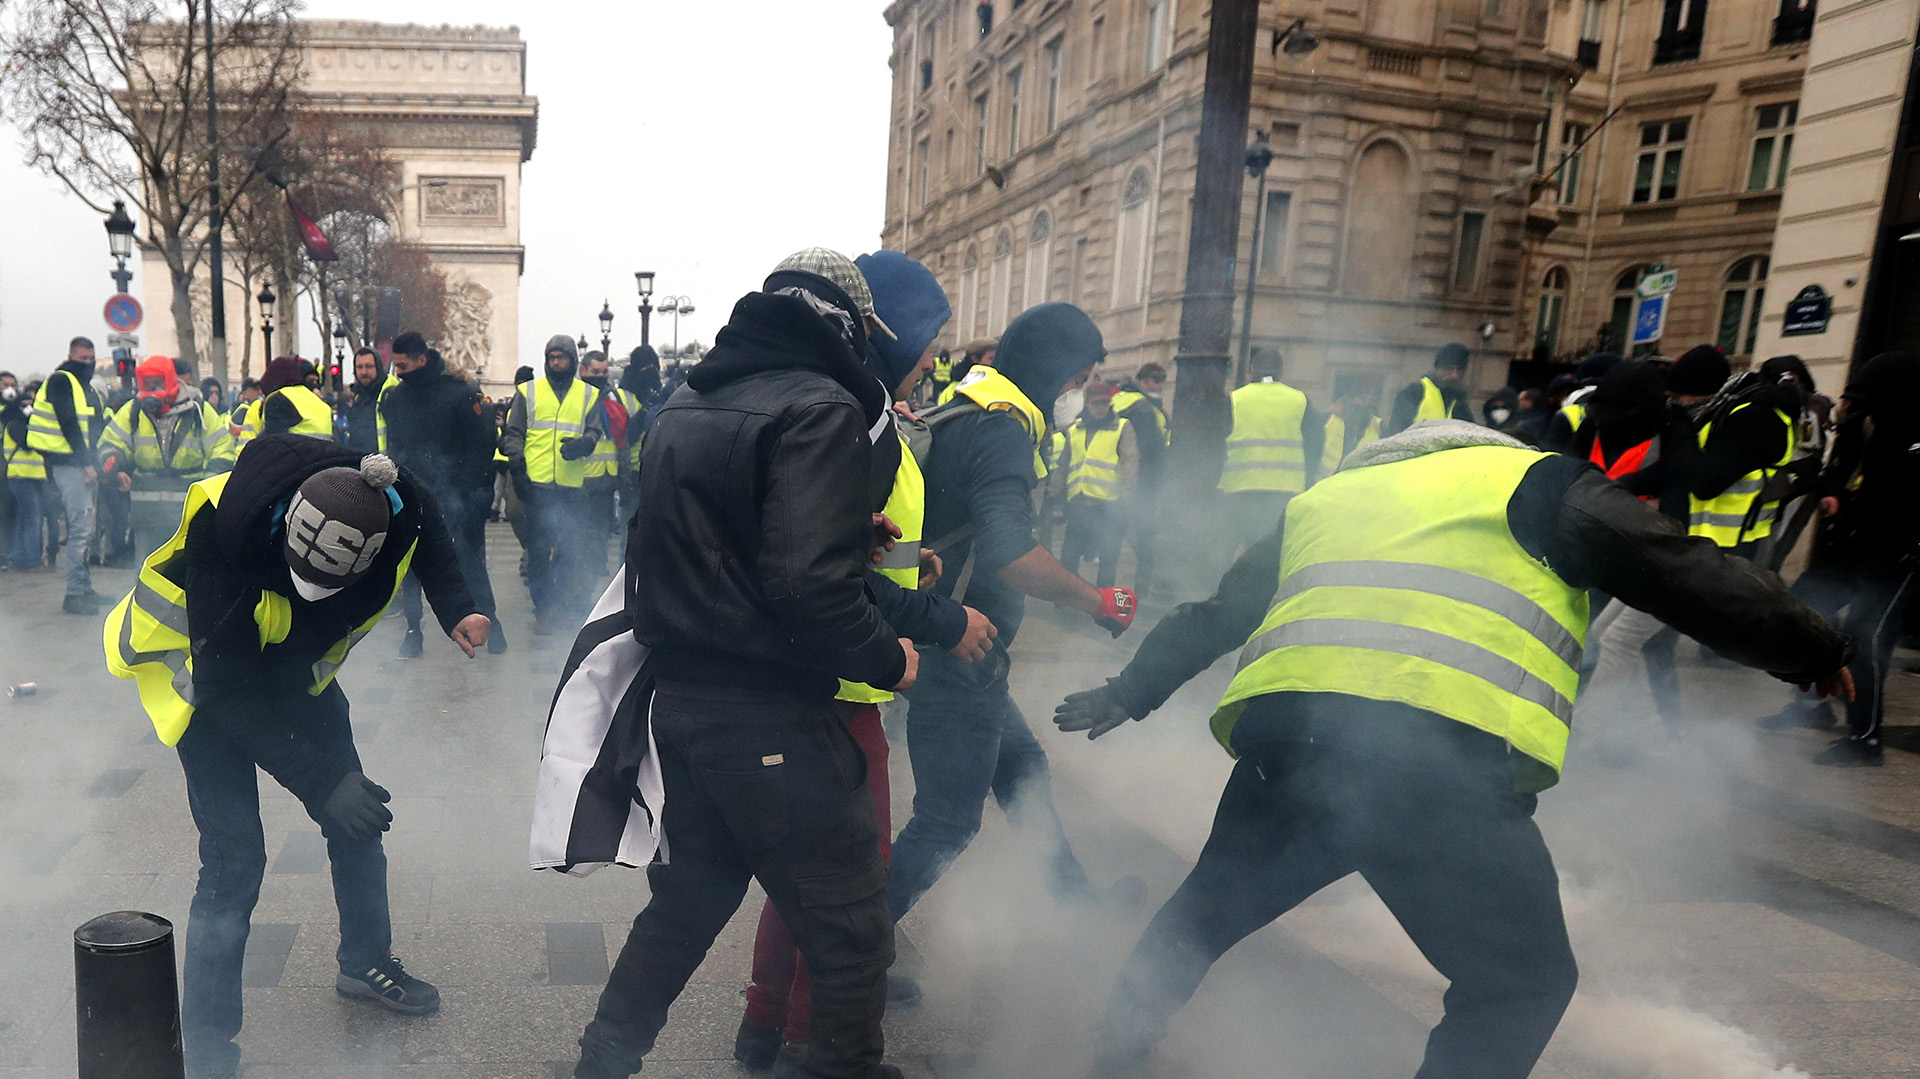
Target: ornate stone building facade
point(449, 105)
point(1479, 171)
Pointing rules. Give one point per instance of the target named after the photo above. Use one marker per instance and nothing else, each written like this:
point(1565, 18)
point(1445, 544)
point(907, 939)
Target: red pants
point(780, 993)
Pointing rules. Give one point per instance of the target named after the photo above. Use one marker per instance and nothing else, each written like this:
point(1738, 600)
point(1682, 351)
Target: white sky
point(702, 140)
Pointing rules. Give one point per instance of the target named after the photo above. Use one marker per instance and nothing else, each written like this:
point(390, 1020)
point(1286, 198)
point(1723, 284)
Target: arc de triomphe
point(449, 105)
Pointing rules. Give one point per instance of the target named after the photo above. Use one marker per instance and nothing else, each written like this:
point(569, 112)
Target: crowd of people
point(829, 511)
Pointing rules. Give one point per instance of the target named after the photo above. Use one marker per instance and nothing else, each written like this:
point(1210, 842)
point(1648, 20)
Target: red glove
point(1116, 609)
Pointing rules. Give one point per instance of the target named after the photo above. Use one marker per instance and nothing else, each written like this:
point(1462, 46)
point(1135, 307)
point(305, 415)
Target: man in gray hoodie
point(551, 429)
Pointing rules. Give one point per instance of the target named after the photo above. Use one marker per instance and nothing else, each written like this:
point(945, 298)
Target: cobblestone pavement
point(1738, 911)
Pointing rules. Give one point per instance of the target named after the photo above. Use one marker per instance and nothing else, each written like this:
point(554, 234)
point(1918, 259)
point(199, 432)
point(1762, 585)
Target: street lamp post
point(266, 300)
point(676, 306)
point(582, 344)
point(1259, 156)
point(340, 356)
point(644, 279)
point(606, 328)
point(120, 242)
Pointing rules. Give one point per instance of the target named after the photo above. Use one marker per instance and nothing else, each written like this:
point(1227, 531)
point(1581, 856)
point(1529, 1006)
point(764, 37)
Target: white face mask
point(1499, 416)
point(309, 591)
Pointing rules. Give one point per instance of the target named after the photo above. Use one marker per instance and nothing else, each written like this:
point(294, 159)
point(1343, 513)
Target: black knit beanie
point(337, 522)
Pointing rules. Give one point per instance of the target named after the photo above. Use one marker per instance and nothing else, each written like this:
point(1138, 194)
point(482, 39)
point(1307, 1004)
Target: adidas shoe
point(388, 984)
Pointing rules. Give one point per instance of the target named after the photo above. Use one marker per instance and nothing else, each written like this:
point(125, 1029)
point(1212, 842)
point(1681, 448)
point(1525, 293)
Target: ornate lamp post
point(339, 355)
point(582, 344)
point(266, 301)
point(606, 328)
point(644, 279)
point(676, 306)
point(120, 242)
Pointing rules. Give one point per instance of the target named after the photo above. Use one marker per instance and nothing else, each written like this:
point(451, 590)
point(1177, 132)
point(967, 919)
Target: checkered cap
point(840, 270)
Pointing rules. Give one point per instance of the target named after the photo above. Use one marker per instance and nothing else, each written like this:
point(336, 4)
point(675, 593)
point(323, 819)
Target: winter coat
point(440, 427)
point(757, 481)
point(363, 418)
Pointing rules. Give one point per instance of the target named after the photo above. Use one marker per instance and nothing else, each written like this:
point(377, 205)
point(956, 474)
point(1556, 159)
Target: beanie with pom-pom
point(337, 522)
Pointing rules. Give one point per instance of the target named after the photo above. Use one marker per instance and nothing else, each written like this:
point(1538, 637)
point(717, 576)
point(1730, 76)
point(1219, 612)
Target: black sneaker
point(80, 605)
point(756, 1047)
point(1852, 753)
point(412, 644)
point(389, 985)
point(1817, 716)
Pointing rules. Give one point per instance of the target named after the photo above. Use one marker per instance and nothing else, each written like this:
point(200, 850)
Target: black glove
point(356, 809)
point(1095, 711)
point(572, 449)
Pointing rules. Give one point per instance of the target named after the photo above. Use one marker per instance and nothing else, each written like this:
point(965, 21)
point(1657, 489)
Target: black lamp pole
point(120, 242)
point(644, 279)
point(266, 301)
point(1259, 156)
point(606, 328)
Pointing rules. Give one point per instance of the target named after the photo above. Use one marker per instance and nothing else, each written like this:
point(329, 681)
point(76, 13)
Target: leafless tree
point(112, 97)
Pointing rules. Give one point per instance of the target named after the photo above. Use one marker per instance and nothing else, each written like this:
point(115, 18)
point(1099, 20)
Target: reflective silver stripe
point(1469, 588)
point(905, 555)
point(163, 610)
point(1424, 644)
point(175, 660)
point(1265, 466)
point(1718, 520)
point(1743, 487)
point(1101, 465)
point(178, 498)
point(1268, 443)
point(555, 425)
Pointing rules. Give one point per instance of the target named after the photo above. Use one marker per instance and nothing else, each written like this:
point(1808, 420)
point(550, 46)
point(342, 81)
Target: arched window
point(1620, 319)
point(970, 292)
point(1130, 240)
point(1552, 308)
point(1001, 283)
point(1740, 305)
point(1039, 259)
point(1382, 224)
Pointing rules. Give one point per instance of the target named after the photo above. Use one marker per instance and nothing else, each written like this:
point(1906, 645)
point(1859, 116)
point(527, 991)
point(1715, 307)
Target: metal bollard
point(126, 1000)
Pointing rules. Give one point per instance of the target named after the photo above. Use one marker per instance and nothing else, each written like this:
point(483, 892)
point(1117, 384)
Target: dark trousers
point(967, 740)
point(1094, 529)
point(1451, 849)
point(223, 792)
point(556, 563)
point(1875, 595)
point(769, 788)
point(602, 513)
point(466, 515)
point(29, 529)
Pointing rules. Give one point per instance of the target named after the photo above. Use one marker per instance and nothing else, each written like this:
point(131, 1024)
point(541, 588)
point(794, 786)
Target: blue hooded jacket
point(909, 300)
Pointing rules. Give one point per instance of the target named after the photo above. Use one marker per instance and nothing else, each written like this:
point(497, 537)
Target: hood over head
point(1633, 395)
point(560, 342)
point(642, 373)
point(789, 330)
point(1045, 347)
point(909, 299)
point(1700, 371)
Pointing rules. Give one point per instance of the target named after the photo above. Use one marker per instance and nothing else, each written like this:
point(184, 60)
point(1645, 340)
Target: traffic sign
point(1659, 281)
point(1649, 320)
point(123, 340)
point(123, 312)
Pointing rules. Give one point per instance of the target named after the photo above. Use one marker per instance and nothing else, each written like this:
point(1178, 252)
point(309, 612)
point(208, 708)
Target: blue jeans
point(223, 792)
point(967, 739)
point(556, 554)
point(29, 529)
point(76, 499)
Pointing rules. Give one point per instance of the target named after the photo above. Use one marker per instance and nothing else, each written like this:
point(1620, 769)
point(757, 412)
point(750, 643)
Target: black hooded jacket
point(745, 564)
point(439, 426)
point(255, 694)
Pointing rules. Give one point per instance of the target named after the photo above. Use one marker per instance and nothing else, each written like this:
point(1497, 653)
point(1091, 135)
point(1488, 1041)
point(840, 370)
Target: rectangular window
point(1571, 135)
point(1593, 20)
point(1540, 147)
point(1053, 55)
point(1014, 78)
point(922, 172)
point(1794, 24)
point(979, 135)
point(1680, 26)
point(1656, 172)
point(1096, 52)
point(1466, 252)
point(1274, 228)
point(1156, 35)
point(1772, 146)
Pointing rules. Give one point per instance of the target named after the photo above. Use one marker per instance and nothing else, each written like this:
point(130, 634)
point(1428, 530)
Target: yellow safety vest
point(22, 463)
point(551, 419)
point(1265, 451)
point(379, 412)
point(1126, 399)
point(635, 410)
point(133, 433)
point(1434, 405)
point(1576, 414)
point(145, 635)
point(1402, 582)
point(1334, 449)
point(316, 417)
point(906, 507)
point(43, 426)
point(604, 461)
point(995, 392)
point(1093, 464)
point(1724, 518)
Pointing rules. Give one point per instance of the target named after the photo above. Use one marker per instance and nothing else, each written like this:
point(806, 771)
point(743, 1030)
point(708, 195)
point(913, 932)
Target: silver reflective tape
point(905, 555)
point(1468, 588)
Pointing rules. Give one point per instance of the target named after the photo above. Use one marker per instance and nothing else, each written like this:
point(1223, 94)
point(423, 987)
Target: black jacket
point(363, 422)
point(1149, 434)
point(1406, 405)
point(746, 561)
point(1668, 481)
point(1874, 469)
point(233, 552)
point(440, 427)
point(1590, 532)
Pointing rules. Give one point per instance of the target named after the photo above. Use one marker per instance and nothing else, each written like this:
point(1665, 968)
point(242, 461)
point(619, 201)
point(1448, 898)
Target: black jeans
point(223, 791)
point(770, 788)
point(1876, 594)
point(1449, 847)
point(466, 515)
point(557, 569)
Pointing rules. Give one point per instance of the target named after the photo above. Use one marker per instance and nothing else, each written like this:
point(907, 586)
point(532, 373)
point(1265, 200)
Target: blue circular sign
point(123, 313)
